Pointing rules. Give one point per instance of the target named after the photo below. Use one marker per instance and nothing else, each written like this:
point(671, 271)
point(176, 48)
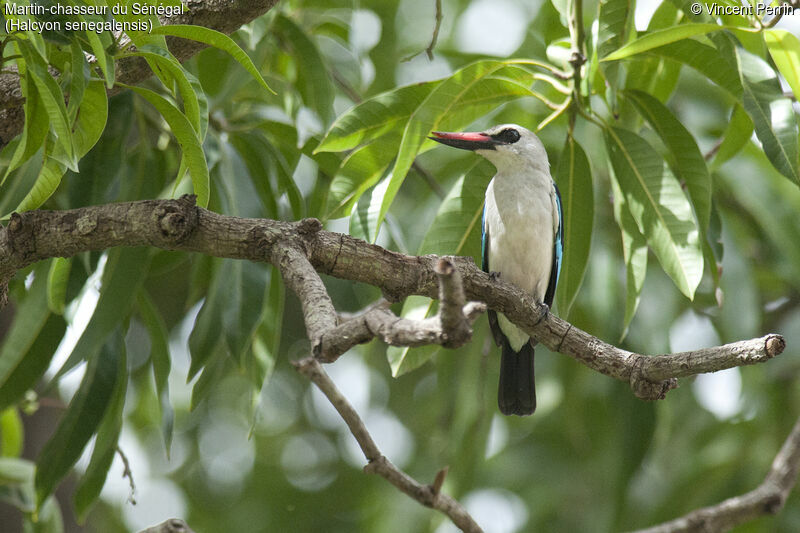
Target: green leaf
point(187, 138)
point(124, 272)
point(92, 118)
point(358, 172)
point(166, 61)
point(205, 336)
point(53, 100)
point(48, 180)
point(105, 446)
point(614, 26)
point(30, 343)
point(784, 47)
point(217, 40)
point(658, 38)
point(365, 217)
point(772, 113)
point(104, 59)
point(78, 76)
point(634, 252)
point(12, 436)
point(313, 80)
point(658, 205)
point(267, 336)
point(574, 178)
point(686, 160)
point(82, 418)
point(737, 133)
point(381, 114)
point(160, 359)
point(706, 60)
point(57, 279)
point(403, 359)
point(35, 129)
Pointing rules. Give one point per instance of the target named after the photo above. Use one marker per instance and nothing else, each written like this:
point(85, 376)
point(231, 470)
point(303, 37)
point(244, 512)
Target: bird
point(522, 243)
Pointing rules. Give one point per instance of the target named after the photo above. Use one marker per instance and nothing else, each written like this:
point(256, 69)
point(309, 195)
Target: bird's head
point(506, 146)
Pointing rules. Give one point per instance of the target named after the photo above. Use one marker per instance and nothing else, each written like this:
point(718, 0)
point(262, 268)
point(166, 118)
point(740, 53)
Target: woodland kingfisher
point(522, 241)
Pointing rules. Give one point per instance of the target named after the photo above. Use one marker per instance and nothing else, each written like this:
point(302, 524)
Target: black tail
point(516, 394)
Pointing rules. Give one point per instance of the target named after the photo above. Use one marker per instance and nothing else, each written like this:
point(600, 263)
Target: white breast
point(520, 221)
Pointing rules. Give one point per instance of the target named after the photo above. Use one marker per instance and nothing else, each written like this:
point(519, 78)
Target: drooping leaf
point(574, 178)
point(205, 336)
point(634, 253)
point(105, 446)
point(365, 217)
point(79, 75)
point(53, 101)
point(49, 177)
point(188, 139)
point(686, 160)
point(34, 131)
point(30, 343)
point(658, 205)
point(772, 114)
point(614, 25)
point(160, 359)
point(104, 59)
point(124, 273)
point(12, 435)
point(736, 135)
point(166, 61)
point(92, 118)
point(57, 279)
point(81, 419)
point(217, 40)
point(313, 79)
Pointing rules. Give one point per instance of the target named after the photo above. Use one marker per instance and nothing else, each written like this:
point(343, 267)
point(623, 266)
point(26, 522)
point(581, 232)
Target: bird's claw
point(494, 275)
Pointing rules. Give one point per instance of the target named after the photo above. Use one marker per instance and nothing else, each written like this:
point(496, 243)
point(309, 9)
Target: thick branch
point(225, 16)
point(428, 495)
point(767, 498)
point(180, 225)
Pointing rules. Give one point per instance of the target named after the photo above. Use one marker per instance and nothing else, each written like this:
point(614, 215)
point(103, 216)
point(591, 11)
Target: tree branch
point(300, 248)
point(225, 16)
point(427, 495)
point(768, 498)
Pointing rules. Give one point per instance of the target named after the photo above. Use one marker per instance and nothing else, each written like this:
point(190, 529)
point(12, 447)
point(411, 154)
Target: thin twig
point(434, 38)
point(377, 463)
point(127, 473)
point(768, 498)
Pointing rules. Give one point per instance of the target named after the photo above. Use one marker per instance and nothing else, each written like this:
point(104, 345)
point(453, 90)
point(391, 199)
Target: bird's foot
point(545, 313)
point(494, 275)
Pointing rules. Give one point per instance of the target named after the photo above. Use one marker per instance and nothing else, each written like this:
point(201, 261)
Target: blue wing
point(558, 252)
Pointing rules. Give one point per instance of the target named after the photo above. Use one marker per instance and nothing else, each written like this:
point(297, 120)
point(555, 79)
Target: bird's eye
point(508, 136)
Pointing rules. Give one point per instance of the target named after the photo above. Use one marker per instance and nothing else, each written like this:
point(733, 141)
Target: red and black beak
point(466, 140)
